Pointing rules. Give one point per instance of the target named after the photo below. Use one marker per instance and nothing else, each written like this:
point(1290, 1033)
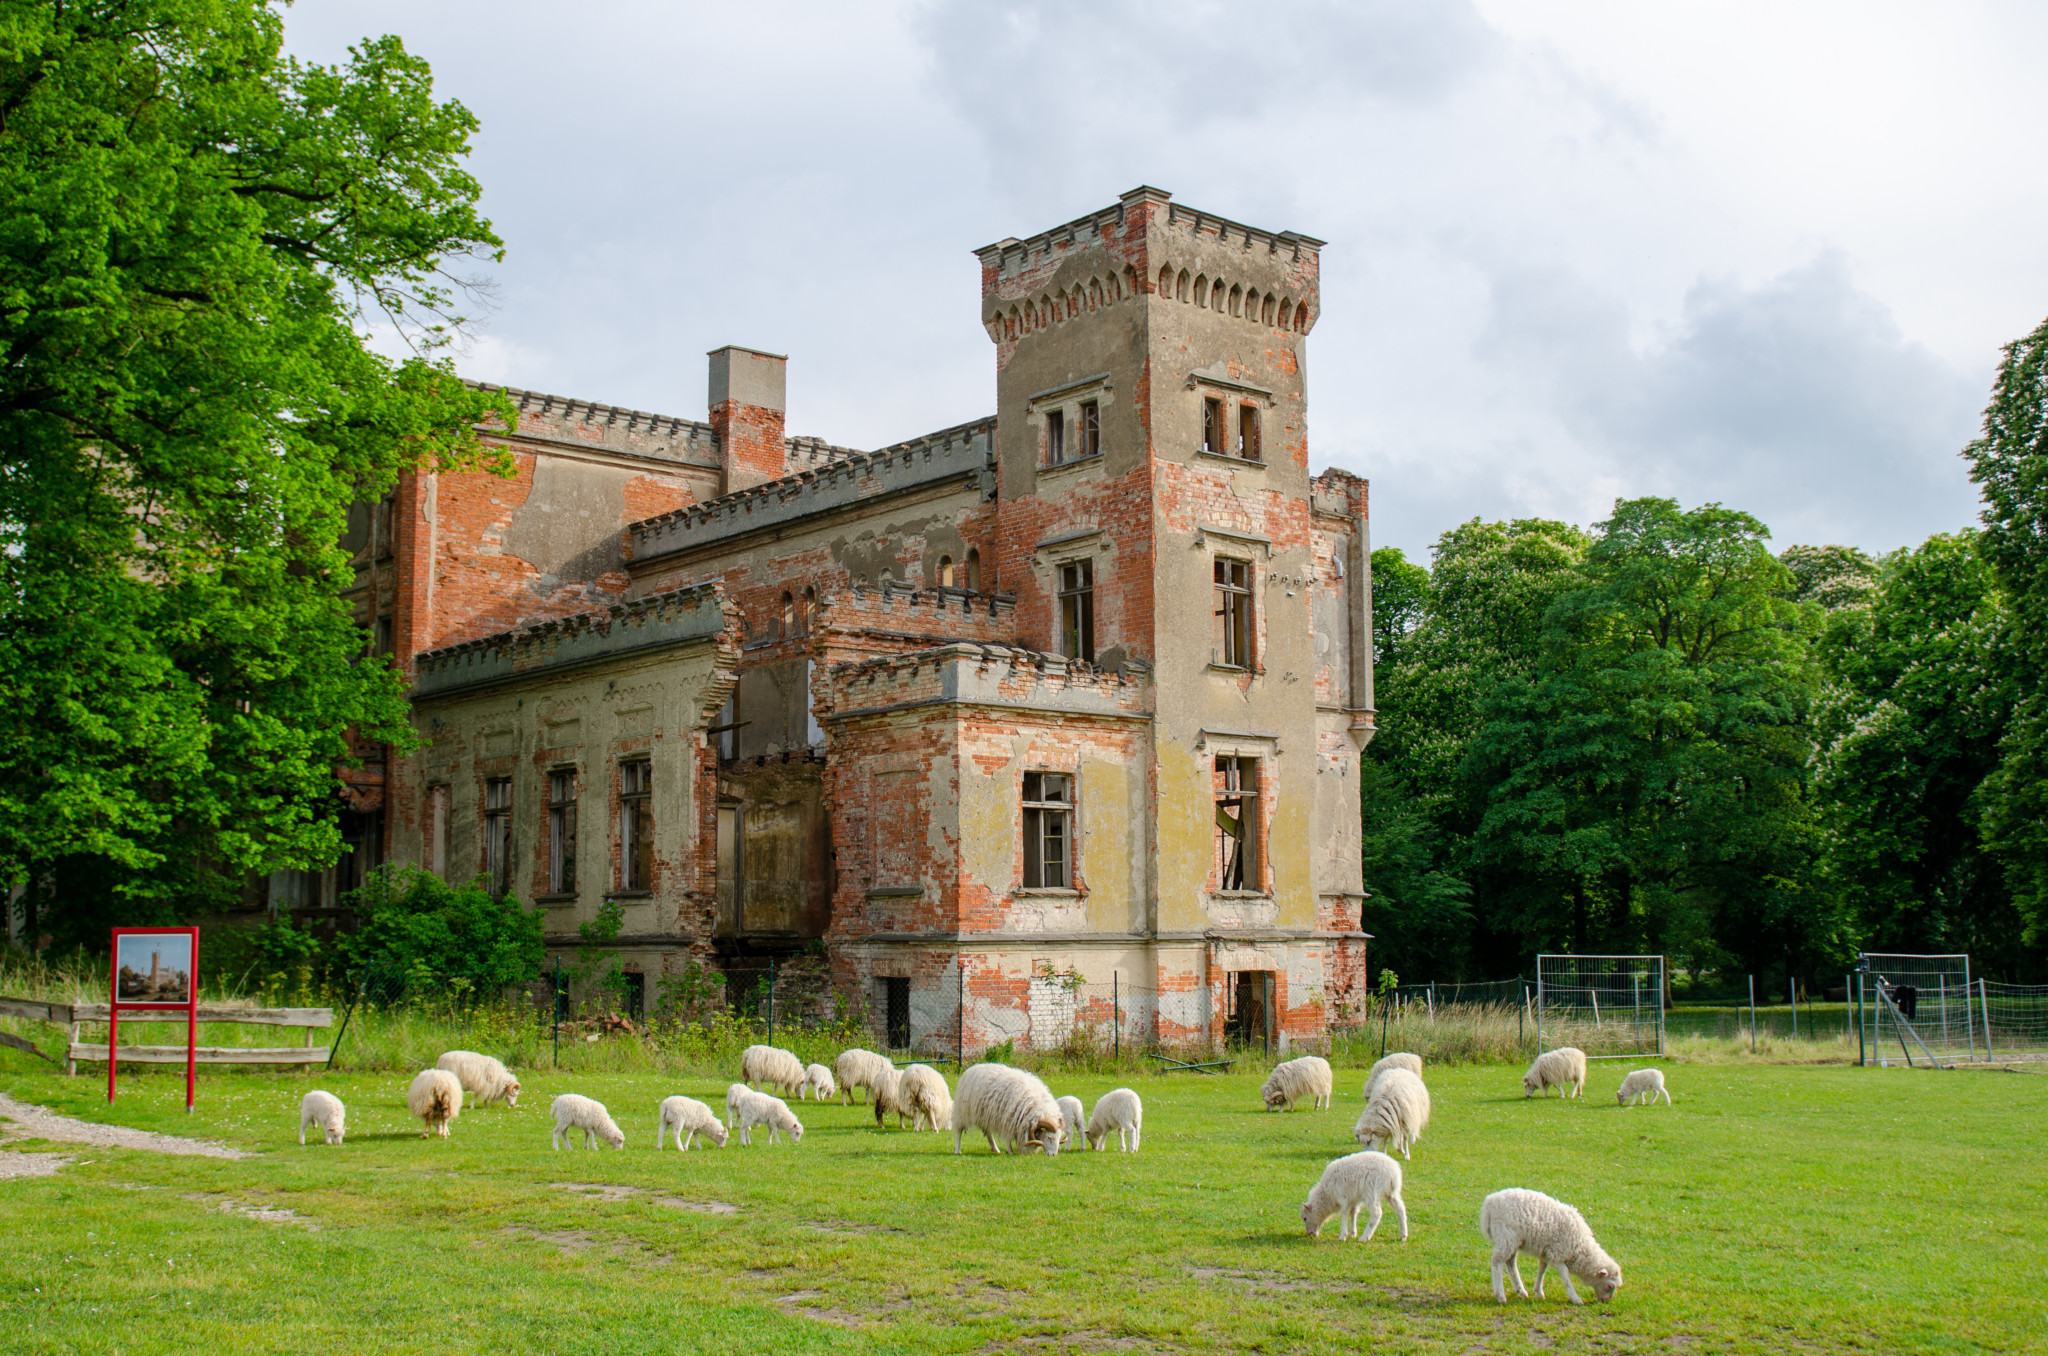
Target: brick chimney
point(747, 398)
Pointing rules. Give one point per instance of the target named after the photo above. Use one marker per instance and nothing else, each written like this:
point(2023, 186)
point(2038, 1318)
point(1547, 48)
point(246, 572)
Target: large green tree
point(2010, 463)
point(1645, 785)
point(197, 237)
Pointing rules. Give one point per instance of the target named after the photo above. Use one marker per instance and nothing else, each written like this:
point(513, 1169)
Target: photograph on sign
point(153, 968)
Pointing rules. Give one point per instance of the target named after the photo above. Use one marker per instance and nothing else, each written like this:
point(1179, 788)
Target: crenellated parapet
point(964, 450)
point(990, 677)
point(695, 613)
point(590, 425)
point(931, 614)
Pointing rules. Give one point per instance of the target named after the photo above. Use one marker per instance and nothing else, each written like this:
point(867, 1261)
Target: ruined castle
point(953, 727)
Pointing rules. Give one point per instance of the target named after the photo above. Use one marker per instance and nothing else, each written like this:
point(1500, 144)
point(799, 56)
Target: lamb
point(1566, 1064)
point(818, 1080)
point(573, 1113)
point(487, 1079)
point(1396, 1113)
point(1350, 1184)
point(1073, 1118)
point(999, 1100)
point(325, 1110)
point(859, 1069)
point(436, 1098)
point(1412, 1063)
point(887, 1095)
point(1308, 1076)
point(923, 1090)
point(1646, 1085)
point(689, 1118)
point(777, 1068)
point(1522, 1223)
point(746, 1109)
point(1119, 1110)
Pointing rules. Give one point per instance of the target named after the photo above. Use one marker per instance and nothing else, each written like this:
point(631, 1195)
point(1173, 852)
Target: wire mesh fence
point(1917, 1009)
point(2014, 1019)
point(1611, 1007)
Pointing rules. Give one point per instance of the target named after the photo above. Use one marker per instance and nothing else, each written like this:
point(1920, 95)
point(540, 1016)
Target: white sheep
point(746, 1109)
point(573, 1113)
point(1308, 1076)
point(886, 1095)
point(487, 1079)
point(818, 1082)
point(1350, 1184)
point(1644, 1085)
point(1397, 1113)
point(1403, 1060)
point(1521, 1223)
point(776, 1067)
point(923, 1090)
point(436, 1098)
point(688, 1118)
point(859, 1069)
point(325, 1110)
point(1001, 1101)
point(1556, 1068)
point(1120, 1111)
point(1072, 1118)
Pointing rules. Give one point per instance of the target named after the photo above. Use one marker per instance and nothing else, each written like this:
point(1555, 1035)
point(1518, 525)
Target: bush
point(415, 922)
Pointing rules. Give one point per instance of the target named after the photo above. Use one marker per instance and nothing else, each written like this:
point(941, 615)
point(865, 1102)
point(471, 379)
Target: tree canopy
point(197, 237)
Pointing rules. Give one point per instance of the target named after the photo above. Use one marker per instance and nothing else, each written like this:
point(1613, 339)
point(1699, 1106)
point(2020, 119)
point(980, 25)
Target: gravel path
point(34, 1122)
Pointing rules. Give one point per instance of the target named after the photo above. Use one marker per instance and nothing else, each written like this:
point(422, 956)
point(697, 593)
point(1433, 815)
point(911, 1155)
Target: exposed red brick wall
point(754, 442)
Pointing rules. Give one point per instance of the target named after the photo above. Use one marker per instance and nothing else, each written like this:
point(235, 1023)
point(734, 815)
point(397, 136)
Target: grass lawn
point(1773, 1209)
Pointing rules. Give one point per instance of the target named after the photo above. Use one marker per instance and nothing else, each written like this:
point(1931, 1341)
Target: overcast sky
point(1762, 254)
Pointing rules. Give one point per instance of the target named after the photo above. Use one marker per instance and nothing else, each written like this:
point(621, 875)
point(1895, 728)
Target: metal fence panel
point(1611, 1007)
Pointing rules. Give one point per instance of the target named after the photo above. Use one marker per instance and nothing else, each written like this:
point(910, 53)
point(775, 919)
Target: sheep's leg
point(1134, 1137)
point(302, 1129)
point(1570, 1290)
point(1666, 1094)
point(689, 1138)
point(991, 1142)
point(956, 1139)
point(1542, 1274)
point(1400, 1213)
point(1515, 1266)
point(1372, 1221)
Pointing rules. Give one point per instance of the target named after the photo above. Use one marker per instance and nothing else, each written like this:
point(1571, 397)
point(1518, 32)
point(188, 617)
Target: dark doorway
point(896, 1001)
point(634, 998)
point(1250, 1020)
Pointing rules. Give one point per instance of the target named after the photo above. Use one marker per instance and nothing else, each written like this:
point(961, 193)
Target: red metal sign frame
point(190, 1006)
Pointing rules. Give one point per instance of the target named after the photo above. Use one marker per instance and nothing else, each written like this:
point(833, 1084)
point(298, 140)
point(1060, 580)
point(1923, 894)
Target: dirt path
point(26, 1121)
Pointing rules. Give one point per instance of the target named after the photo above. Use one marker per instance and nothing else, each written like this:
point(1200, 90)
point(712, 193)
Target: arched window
point(1074, 303)
point(1166, 281)
point(1301, 318)
point(945, 572)
point(804, 607)
point(789, 625)
point(1201, 289)
point(974, 571)
point(1266, 312)
point(1236, 299)
point(1180, 286)
point(1094, 294)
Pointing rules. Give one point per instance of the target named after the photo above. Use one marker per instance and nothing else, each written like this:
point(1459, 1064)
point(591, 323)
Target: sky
point(1757, 254)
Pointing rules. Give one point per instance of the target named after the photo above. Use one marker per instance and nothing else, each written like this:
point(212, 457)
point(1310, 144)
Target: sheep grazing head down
point(512, 1093)
point(612, 1135)
point(1531, 1084)
point(1310, 1221)
point(1606, 1280)
point(1275, 1099)
point(1045, 1136)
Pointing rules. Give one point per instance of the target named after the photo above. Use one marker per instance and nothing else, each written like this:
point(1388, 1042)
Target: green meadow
point(1773, 1208)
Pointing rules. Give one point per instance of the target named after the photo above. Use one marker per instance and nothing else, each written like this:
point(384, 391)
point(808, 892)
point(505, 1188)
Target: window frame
point(1250, 432)
point(562, 828)
point(1056, 436)
point(1076, 600)
point(1241, 874)
point(497, 825)
point(636, 825)
point(1048, 818)
point(1090, 430)
point(1212, 426)
point(1235, 613)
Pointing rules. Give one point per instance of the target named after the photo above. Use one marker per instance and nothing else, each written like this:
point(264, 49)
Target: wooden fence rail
point(74, 1015)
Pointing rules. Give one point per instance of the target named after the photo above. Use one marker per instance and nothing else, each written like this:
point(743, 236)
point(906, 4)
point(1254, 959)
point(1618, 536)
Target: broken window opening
point(636, 826)
point(896, 1007)
point(974, 571)
point(1048, 830)
point(1091, 429)
point(1077, 610)
point(1233, 636)
point(1248, 432)
point(1212, 426)
point(562, 832)
point(1237, 823)
point(945, 572)
point(1055, 437)
point(498, 834)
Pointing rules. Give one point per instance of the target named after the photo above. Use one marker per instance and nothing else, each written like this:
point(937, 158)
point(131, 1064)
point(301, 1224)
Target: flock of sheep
point(1518, 1222)
point(1014, 1108)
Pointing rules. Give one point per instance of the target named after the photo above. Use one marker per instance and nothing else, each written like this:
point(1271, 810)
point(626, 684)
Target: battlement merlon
point(961, 451)
point(987, 677)
point(697, 613)
point(1144, 203)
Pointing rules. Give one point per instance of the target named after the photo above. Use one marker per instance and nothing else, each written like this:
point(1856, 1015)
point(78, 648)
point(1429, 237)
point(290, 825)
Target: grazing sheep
point(436, 1098)
point(1521, 1223)
point(1073, 1118)
point(859, 1069)
point(886, 1093)
point(1556, 1068)
point(485, 1078)
point(923, 1089)
point(1350, 1184)
point(746, 1109)
point(1308, 1076)
point(573, 1113)
point(999, 1100)
point(1404, 1060)
point(688, 1118)
point(1645, 1085)
point(1394, 1118)
point(818, 1082)
point(1119, 1110)
point(325, 1110)
point(777, 1068)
